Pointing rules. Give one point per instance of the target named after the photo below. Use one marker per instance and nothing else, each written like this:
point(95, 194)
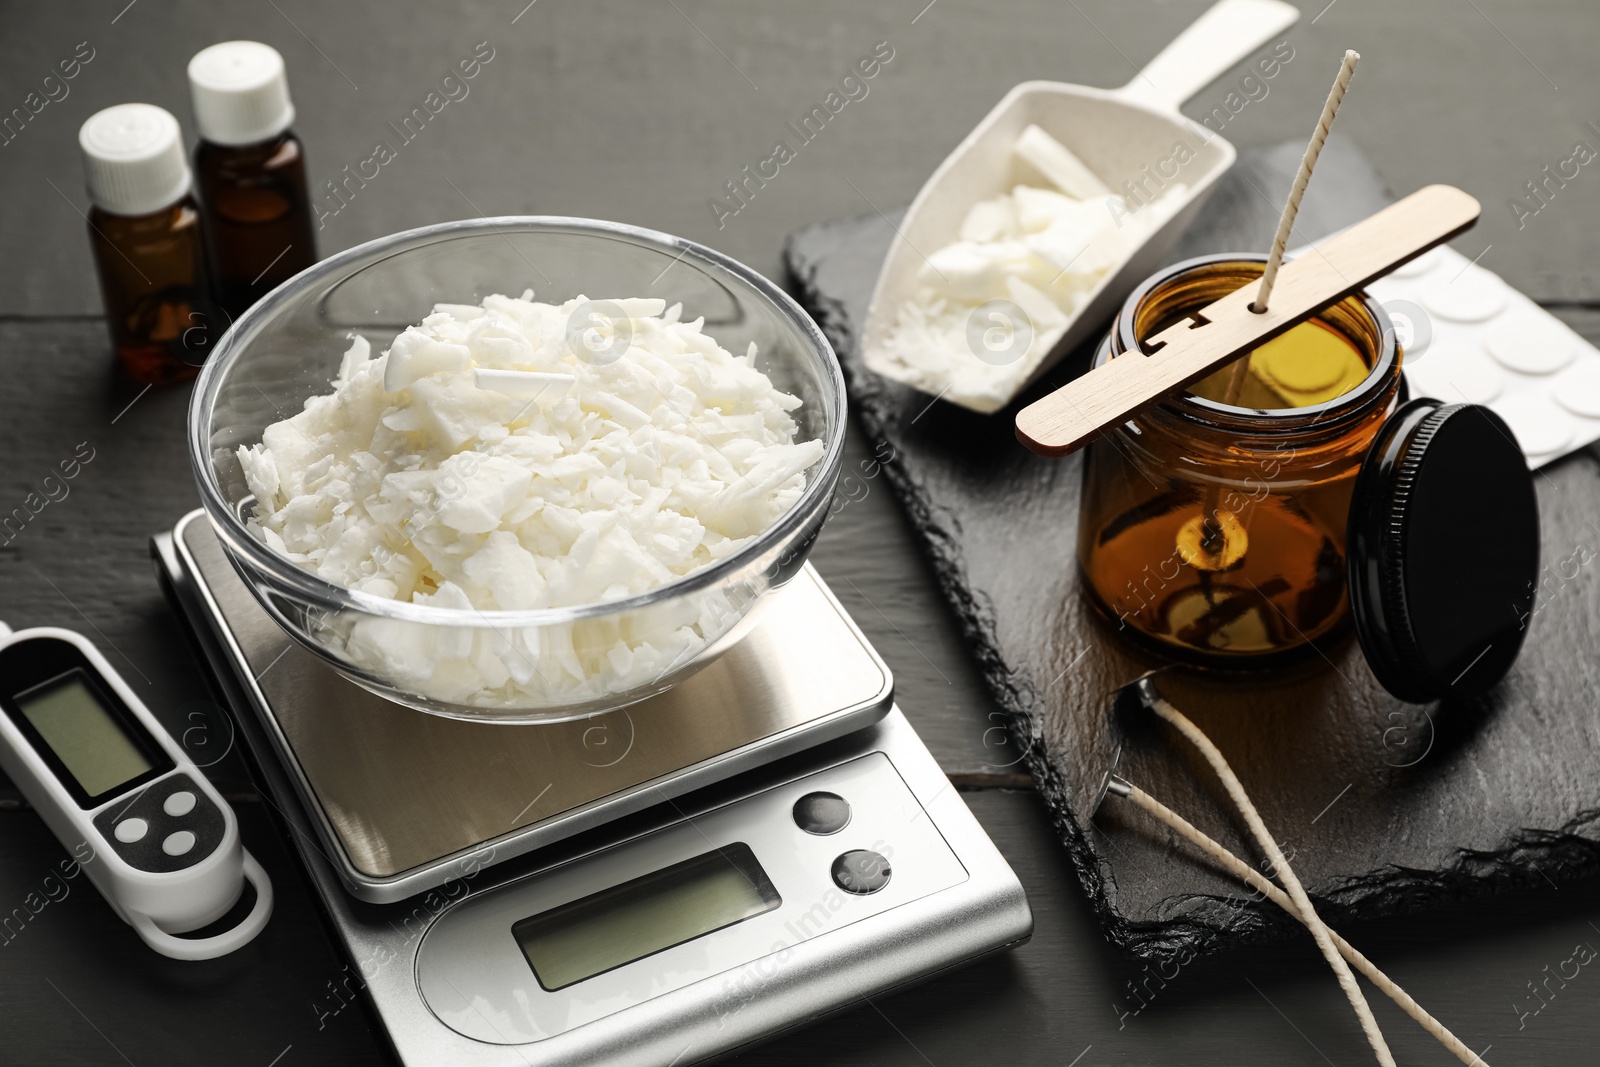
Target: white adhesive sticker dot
point(1471, 296)
point(1578, 388)
point(1539, 425)
point(1457, 376)
point(1419, 266)
point(1531, 343)
point(1487, 344)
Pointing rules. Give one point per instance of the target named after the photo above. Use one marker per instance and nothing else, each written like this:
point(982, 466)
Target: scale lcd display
point(89, 740)
point(647, 915)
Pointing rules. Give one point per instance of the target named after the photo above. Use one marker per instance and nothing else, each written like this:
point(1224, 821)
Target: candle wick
point(1297, 191)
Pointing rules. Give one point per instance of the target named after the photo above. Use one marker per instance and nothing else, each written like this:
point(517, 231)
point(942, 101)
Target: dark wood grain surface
point(640, 113)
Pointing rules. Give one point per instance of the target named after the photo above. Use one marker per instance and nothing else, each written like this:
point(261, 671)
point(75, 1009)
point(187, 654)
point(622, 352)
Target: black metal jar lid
point(1442, 551)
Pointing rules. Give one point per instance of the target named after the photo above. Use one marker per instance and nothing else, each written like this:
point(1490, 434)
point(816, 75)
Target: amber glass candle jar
point(1213, 532)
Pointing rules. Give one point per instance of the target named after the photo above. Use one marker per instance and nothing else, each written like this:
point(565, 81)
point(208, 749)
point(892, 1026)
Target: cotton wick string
point(1280, 241)
point(1297, 191)
point(1257, 881)
point(1302, 903)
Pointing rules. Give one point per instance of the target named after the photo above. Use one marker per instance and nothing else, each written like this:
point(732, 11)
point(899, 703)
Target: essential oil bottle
point(145, 230)
point(251, 172)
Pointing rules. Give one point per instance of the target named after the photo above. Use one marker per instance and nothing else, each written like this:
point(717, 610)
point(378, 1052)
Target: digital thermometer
point(89, 757)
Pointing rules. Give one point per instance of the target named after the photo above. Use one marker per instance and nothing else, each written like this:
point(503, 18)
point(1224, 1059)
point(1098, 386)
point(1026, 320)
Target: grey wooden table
point(641, 113)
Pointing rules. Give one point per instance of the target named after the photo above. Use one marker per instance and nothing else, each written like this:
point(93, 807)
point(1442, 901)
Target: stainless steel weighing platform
point(439, 848)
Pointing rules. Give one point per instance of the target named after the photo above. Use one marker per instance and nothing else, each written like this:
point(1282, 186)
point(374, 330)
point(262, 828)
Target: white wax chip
point(1043, 312)
point(1472, 295)
point(1056, 162)
point(642, 307)
point(1091, 248)
point(459, 312)
point(475, 491)
point(990, 220)
point(408, 651)
point(1038, 209)
point(1531, 342)
point(510, 571)
point(354, 356)
point(1578, 387)
point(1540, 426)
point(972, 271)
point(262, 475)
point(1456, 376)
point(545, 386)
point(414, 355)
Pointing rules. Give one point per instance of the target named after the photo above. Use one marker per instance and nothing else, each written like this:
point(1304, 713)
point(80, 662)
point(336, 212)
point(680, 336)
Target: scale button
point(180, 803)
point(861, 871)
point(130, 830)
point(822, 813)
point(179, 843)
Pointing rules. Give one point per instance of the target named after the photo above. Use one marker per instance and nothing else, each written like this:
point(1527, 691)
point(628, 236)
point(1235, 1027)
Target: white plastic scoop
point(1133, 134)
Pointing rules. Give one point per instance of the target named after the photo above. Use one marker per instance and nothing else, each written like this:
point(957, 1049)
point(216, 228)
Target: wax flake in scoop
point(991, 305)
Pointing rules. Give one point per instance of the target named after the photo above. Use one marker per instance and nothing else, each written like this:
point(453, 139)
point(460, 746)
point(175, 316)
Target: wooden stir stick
point(1064, 421)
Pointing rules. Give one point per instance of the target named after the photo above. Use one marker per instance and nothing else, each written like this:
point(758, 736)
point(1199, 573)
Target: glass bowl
point(562, 663)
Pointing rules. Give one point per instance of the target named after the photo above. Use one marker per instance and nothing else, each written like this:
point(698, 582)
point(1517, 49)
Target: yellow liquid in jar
point(1305, 365)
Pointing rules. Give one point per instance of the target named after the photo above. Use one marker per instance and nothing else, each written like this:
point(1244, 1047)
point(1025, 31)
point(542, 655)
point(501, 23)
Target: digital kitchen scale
point(764, 843)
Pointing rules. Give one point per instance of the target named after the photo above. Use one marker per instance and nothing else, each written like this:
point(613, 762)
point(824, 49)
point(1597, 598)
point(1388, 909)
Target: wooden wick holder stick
point(1184, 352)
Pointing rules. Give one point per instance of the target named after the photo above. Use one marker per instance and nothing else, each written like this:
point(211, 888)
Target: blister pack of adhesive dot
point(1470, 337)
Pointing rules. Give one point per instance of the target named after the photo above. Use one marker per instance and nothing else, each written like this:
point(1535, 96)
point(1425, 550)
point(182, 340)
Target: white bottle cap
point(133, 159)
point(241, 95)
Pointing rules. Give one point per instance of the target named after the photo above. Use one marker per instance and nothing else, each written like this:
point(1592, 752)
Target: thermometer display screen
point(650, 914)
point(89, 740)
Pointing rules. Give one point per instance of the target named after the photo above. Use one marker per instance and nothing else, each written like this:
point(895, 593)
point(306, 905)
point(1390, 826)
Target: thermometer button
point(171, 810)
point(130, 830)
point(179, 843)
point(181, 803)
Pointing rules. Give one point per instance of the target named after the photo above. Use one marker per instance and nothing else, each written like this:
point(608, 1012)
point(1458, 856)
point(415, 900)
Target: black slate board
point(1384, 808)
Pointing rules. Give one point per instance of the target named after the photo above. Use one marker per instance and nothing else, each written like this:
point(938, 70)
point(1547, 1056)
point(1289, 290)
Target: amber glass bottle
point(259, 217)
point(250, 169)
point(146, 233)
point(1215, 532)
